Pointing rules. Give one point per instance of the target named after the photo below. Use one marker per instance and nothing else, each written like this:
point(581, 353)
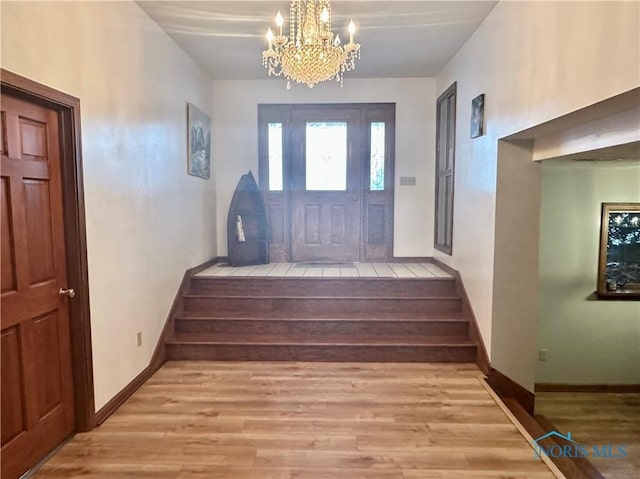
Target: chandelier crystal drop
point(311, 54)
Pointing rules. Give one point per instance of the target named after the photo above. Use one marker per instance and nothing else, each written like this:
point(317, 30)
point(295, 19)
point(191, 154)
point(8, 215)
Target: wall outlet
point(407, 181)
point(139, 338)
point(543, 354)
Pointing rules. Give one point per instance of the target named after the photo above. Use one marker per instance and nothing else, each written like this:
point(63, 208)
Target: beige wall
point(534, 61)
point(616, 129)
point(236, 143)
point(588, 341)
point(147, 220)
point(515, 285)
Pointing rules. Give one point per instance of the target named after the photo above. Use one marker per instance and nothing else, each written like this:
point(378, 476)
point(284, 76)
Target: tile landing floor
point(358, 270)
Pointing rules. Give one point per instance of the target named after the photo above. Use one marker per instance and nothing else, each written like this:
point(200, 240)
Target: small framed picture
point(199, 140)
point(477, 116)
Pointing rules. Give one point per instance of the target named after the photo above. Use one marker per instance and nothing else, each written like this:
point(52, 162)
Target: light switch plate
point(407, 181)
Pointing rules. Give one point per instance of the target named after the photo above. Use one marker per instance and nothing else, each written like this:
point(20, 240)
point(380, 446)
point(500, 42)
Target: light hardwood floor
point(197, 420)
point(598, 418)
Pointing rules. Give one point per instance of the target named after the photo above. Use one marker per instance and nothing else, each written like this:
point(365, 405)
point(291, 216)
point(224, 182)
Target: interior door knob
point(70, 292)
point(354, 198)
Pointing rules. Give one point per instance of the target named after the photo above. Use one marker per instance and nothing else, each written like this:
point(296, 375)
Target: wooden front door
point(326, 193)
point(37, 383)
point(327, 173)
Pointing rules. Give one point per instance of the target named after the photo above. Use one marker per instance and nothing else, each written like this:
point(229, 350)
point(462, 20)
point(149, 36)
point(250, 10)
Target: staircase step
point(321, 319)
point(324, 327)
point(205, 346)
point(321, 307)
point(334, 287)
point(290, 339)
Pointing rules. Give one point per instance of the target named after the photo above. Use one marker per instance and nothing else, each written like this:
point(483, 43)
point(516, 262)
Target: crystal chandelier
point(310, 54)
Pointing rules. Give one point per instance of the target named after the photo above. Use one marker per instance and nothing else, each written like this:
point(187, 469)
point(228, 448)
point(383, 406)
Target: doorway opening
point(327, 173)
point(551, 182)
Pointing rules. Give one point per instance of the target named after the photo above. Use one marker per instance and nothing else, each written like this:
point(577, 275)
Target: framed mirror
point(619, 266)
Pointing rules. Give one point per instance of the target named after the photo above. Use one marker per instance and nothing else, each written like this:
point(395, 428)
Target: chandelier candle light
point(310, 54)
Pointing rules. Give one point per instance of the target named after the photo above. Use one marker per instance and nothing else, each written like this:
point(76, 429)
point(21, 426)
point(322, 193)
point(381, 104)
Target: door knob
point(354, 198)
point(70, 292)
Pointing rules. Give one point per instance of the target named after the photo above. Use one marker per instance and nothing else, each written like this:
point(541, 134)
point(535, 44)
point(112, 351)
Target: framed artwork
point(199, 140)
point(619, 266)
point(477, 116)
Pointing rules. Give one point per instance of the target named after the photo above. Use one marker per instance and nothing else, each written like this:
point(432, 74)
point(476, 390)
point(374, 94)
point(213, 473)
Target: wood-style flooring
point(197, 420)
point(356, 270)
point(598, 418)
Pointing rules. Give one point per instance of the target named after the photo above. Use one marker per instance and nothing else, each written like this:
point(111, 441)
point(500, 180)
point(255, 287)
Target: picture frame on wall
point(619, 262)
point(477, 116)
point(199, 142)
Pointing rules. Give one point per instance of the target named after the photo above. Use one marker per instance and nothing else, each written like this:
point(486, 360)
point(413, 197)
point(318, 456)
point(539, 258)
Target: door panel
point(326, 185)
point(3, 134)
point(8, 261)
point(339, 215)
point(39, 231)
point(12, 380)
point(376, 225)
point(278, 224)
point(312, 224)
point(33, 140)
point(46, 342)
point(37, 385)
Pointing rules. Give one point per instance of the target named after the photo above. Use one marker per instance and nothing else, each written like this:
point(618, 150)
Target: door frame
point(281, 201)
point(68, 108)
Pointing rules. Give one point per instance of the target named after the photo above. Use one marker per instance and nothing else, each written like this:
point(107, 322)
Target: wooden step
point(321, 307)
point(321, 319)
point(205, 346)
point(334, 287)
point(325, 327)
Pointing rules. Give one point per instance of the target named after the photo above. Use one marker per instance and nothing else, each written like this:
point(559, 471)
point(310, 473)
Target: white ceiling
point(398, 38)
